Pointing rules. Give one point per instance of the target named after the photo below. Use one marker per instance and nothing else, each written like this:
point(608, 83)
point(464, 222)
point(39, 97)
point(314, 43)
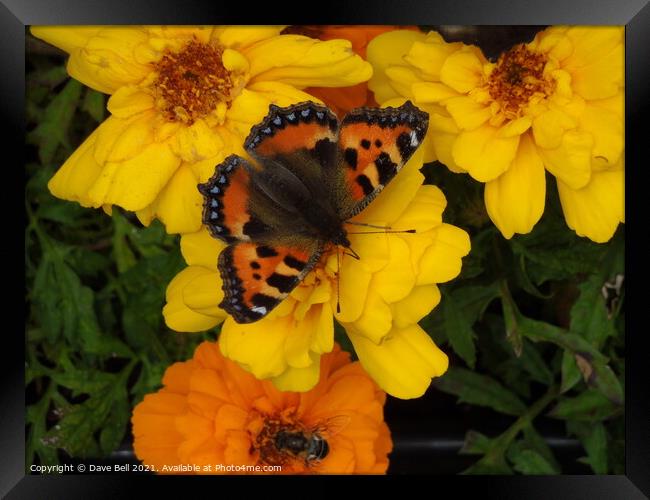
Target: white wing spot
point(414, 139)
point(259, 309)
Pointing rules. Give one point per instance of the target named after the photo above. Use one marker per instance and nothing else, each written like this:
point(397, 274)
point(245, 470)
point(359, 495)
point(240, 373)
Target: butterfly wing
point(226, 202)
point(374, 144)
point(302, 138)
point(257, 277)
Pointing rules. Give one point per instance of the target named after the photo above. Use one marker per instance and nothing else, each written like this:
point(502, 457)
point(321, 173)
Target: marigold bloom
point(182, 98)
point(210, 412)
point(342, 100)
point(382, 297)
point(555, 103)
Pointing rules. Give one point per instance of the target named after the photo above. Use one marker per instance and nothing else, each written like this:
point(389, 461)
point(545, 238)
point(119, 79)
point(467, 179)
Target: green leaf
point(474, 300)
point(589, 314)
point(53, 129)
point(527, 461)
point(552, 252)
point(83, 381)
point(93, 104)
point(65, 213)
point(594, 440)
point(480, 390)
point(532, 362)
point(570, 373)
point(512, 317)
point(591, 362)
point(122, 253)
point(589, 406)
point(476, 444)
point(76, 430)
point(49, 78)
point(534, 441)
point(459, 330)
point(114, 427)
point(489, 466)
point(63, 304)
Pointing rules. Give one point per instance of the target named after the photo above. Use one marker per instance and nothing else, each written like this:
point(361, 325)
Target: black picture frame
point(15, 15)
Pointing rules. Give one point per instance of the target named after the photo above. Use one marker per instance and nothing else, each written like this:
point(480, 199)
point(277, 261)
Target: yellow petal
point(424, 212)
point(303, 62)
point(483, 153)
point(376, 319)
point(203, 293)
point(179, 205)
point(431, 92)
point(606, 127)
point(242, 36)
point(396, 280)
point(129, 100)
point(462, 71)
point(571, 161)
point(442, 260)
point(402, 79)
point(596, 64)
point(515, 199)
point(384, 51)
point(258, 347)
point(404, 363)
point(467, 113)
point(515, 127)
point(107, 60)
point(120, 139)
point(595, 210)
point(67, 38)
point(353, 288)
point(443, 133)
point(177, 315)
point(201, 249)
point(135, 183)
point(234, 61)
point(549, 127)
point(416, 306)
point(298, 379)
point(79, 172)
point(429, 56)
point(197, 142)
point(317, 321)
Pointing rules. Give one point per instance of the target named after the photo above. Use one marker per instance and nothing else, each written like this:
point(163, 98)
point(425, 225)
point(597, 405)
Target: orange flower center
point(518, 76)
point(192, 82)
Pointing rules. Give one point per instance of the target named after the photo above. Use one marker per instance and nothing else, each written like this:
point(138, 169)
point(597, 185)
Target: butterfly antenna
point(387, 231)
point(338, 282)
point(352, 254)
point(367, 225)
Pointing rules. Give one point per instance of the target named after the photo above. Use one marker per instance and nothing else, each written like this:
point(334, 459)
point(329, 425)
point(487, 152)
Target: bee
point(311, 445)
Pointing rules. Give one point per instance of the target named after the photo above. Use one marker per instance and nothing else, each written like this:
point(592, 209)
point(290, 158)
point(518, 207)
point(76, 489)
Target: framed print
point(386, 242)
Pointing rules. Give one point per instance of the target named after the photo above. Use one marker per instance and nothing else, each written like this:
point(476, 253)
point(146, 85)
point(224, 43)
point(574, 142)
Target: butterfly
point(308, 175)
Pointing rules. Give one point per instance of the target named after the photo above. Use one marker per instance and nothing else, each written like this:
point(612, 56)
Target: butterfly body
point(308, 175)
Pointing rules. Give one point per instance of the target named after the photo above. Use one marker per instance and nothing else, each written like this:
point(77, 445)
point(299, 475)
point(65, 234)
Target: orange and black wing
point(374, 144)
point(257, 277)
point(226, 201)
point(303, 138)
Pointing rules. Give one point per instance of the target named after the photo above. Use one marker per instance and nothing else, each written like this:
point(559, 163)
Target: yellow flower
point(211, 412)
point(182, 99)
point(555, 104)
point(382, 297)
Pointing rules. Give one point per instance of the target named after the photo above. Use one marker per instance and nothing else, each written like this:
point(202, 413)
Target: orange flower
point(342, 100)
point(211, 417)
